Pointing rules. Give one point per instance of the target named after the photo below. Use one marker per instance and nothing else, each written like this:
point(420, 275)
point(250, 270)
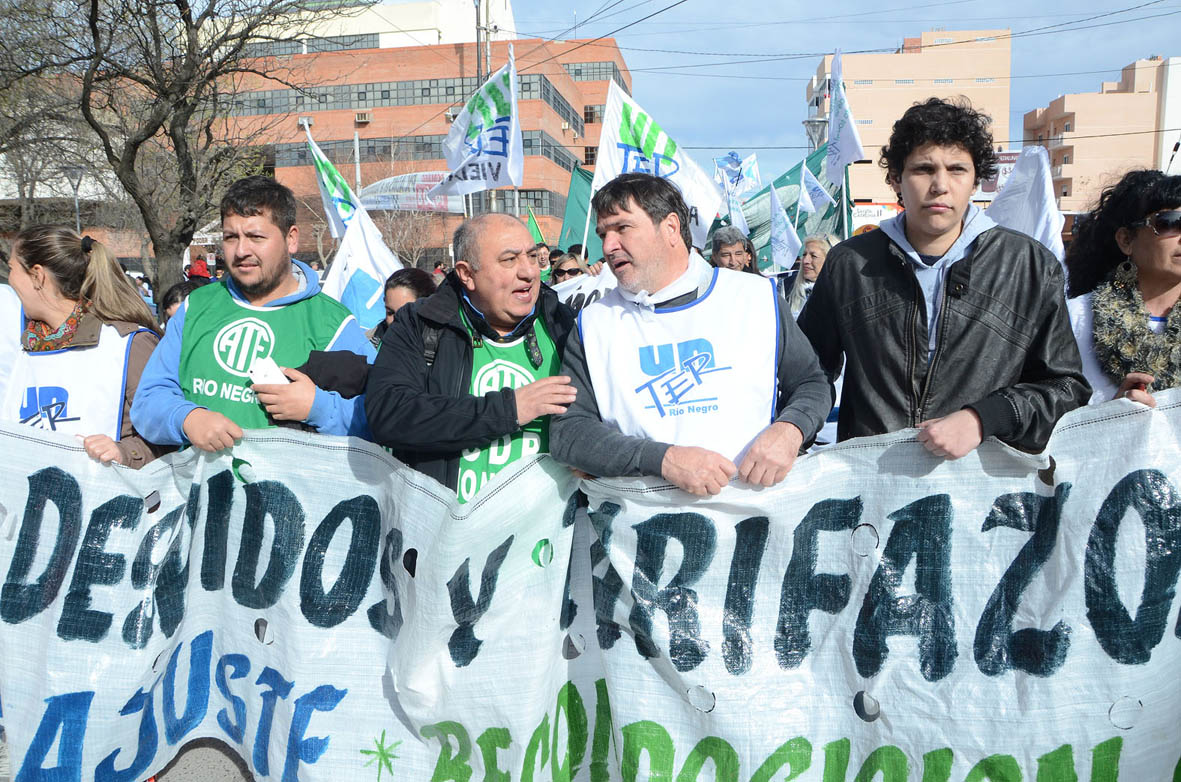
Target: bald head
point(466, 244)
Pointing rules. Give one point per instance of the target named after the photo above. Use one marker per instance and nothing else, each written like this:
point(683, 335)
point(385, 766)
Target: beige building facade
point(1094, 138)
point(974, 64)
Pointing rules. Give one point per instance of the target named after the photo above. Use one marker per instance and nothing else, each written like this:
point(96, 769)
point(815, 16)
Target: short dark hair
point(418, 280)
point(942, 122)
point(539, 245)
point(254, 194)
point(656, 196)
point(179, 292)
point(1094, 252)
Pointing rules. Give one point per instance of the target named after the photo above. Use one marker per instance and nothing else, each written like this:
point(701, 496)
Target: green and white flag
point(632, 141)
point(340, 204)
point(484, 149)
point(785, 242)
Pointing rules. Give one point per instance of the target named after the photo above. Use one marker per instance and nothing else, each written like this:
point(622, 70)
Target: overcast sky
point(727, 105)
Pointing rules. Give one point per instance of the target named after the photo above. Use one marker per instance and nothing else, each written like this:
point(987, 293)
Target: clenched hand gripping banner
point(329, 614)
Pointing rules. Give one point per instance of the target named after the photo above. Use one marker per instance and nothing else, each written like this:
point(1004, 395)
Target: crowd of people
point(701, 373)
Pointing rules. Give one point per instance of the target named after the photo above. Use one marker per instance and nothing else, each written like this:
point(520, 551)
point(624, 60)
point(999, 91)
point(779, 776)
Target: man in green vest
point(196, 387)
point(464, 383)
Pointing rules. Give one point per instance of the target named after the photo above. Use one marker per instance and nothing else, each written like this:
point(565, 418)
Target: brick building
point(398, 101)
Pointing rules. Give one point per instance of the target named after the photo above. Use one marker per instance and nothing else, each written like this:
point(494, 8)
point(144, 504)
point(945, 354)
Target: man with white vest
point(695, 374)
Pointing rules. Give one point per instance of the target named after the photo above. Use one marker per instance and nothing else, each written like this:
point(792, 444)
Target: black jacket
point(1003, 348)
point(427, 415)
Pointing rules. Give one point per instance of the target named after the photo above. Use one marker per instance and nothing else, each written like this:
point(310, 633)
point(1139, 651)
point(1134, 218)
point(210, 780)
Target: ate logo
point(500, 374)
point(237, 345)
point(44, 407)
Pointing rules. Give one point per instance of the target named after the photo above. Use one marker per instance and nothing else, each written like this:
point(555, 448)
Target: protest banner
point(633, 141)
point(408, 193)
point(881, 615)
point(586, 289)
point(483, 147)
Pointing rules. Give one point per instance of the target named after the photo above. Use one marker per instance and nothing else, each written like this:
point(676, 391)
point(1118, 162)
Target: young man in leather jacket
point(945, 320)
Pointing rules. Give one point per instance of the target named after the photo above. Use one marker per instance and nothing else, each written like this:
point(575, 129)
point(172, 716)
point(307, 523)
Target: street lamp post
point(73, 175)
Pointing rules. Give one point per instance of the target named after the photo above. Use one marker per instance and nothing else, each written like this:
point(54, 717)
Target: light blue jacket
point(159, 408)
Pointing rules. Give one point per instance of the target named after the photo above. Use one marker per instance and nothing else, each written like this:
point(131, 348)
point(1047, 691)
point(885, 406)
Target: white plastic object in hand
point(264, 371)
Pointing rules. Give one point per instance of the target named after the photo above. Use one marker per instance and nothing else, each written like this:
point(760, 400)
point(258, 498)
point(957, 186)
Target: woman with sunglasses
point(566, 267)
point(1124, 276)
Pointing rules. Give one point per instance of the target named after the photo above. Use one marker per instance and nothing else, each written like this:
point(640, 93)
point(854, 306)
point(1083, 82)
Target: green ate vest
point(223, 336)
point(496, 366)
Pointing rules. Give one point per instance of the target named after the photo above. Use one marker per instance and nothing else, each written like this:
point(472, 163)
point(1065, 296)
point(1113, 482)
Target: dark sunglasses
point(1163, 223)
point(572, 272)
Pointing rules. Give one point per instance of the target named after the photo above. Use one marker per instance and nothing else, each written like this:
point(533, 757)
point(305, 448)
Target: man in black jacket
point(464, 382)
point(945, 320)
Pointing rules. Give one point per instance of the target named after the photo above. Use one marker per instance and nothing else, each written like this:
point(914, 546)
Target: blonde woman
point(85, 335)
point(816, 249)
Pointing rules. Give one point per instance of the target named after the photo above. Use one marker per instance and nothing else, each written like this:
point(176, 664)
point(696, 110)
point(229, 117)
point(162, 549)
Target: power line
point(613, 32)
point(1064, 140)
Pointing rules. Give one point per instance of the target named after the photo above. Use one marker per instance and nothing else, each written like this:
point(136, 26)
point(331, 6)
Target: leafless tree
point(156, 83)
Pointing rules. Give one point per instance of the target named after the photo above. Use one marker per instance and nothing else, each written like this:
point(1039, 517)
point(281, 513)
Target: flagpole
point(586, 229)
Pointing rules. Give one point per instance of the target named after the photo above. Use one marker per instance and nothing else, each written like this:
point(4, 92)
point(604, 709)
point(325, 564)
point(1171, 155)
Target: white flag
point(737, 216)
point(340, 203)
point(1027, 203)
point(785, 242)
point(484, 149)
point(804, 202)
point(737, 175)
point(358, 273)
point(632, 141)
point(817, 193)
point(844, 143)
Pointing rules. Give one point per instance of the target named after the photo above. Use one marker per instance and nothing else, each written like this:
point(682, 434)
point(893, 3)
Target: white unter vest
point(73, 390)
point(701, 374)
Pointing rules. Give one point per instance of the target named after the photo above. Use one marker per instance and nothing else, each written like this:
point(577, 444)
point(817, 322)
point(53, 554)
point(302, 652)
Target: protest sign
point(586, 289)
point(882, 614)
point(408, 193)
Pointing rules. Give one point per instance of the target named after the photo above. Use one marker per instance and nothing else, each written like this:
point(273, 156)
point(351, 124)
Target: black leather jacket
point(428, 415)
point(1003, 348)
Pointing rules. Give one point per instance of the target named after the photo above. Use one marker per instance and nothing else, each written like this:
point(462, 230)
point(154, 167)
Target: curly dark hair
point(942, 122)
point(1094, 252)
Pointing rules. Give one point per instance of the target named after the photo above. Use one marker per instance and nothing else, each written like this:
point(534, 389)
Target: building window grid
point(384, 150)
point(904, 81)
point(593, 115)
point(590, 155)
point(407, 93)
point(596, 71)
point(544, 202)
point(862, 82)
point(985, 80)
point(312, 45)
point(944, 81)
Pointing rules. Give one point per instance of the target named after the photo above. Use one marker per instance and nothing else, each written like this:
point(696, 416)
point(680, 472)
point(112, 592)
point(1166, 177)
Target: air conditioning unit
point(363, 117)
point(451, 114)
point(565, 126)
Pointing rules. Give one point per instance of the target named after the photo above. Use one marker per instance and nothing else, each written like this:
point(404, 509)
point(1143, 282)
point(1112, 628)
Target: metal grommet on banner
point(864, 539)
point(543, 553)
point(1125, 712)
point(410, 561)
point(866, 706)
point(152, 502)
point(701, 699)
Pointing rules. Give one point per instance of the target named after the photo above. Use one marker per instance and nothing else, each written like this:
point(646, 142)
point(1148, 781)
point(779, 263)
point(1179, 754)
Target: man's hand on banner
point(548, 396)
point(288, 401)
point(698, 471)
point(1135, 387)
point(772, 454)
point(210, 431)
point(952, 436)
point(102, 448)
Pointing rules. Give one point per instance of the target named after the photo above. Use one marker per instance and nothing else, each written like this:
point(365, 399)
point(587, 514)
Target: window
point(425, 92)
point(944, 40)
point(945, 81)
point(986, 80)
point(862, 82)
point(1066, 127)
point(385, 94)
point(589, 155)
point(596, 71)
point(1066, 160)
point(864, 122)
point(593, 115)
point(904, 81)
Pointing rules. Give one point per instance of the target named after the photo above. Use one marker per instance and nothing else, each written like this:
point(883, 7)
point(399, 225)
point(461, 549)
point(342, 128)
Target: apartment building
point(973, 64)
point(379, 107)
point(1094, 138)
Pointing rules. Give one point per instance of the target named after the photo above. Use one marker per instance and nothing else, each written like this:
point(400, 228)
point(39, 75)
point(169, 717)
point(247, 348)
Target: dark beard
point(263, 287)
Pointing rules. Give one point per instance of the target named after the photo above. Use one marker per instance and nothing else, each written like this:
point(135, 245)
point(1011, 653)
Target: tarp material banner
point(332, 615)
point(586, 289)
point(408, 193)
